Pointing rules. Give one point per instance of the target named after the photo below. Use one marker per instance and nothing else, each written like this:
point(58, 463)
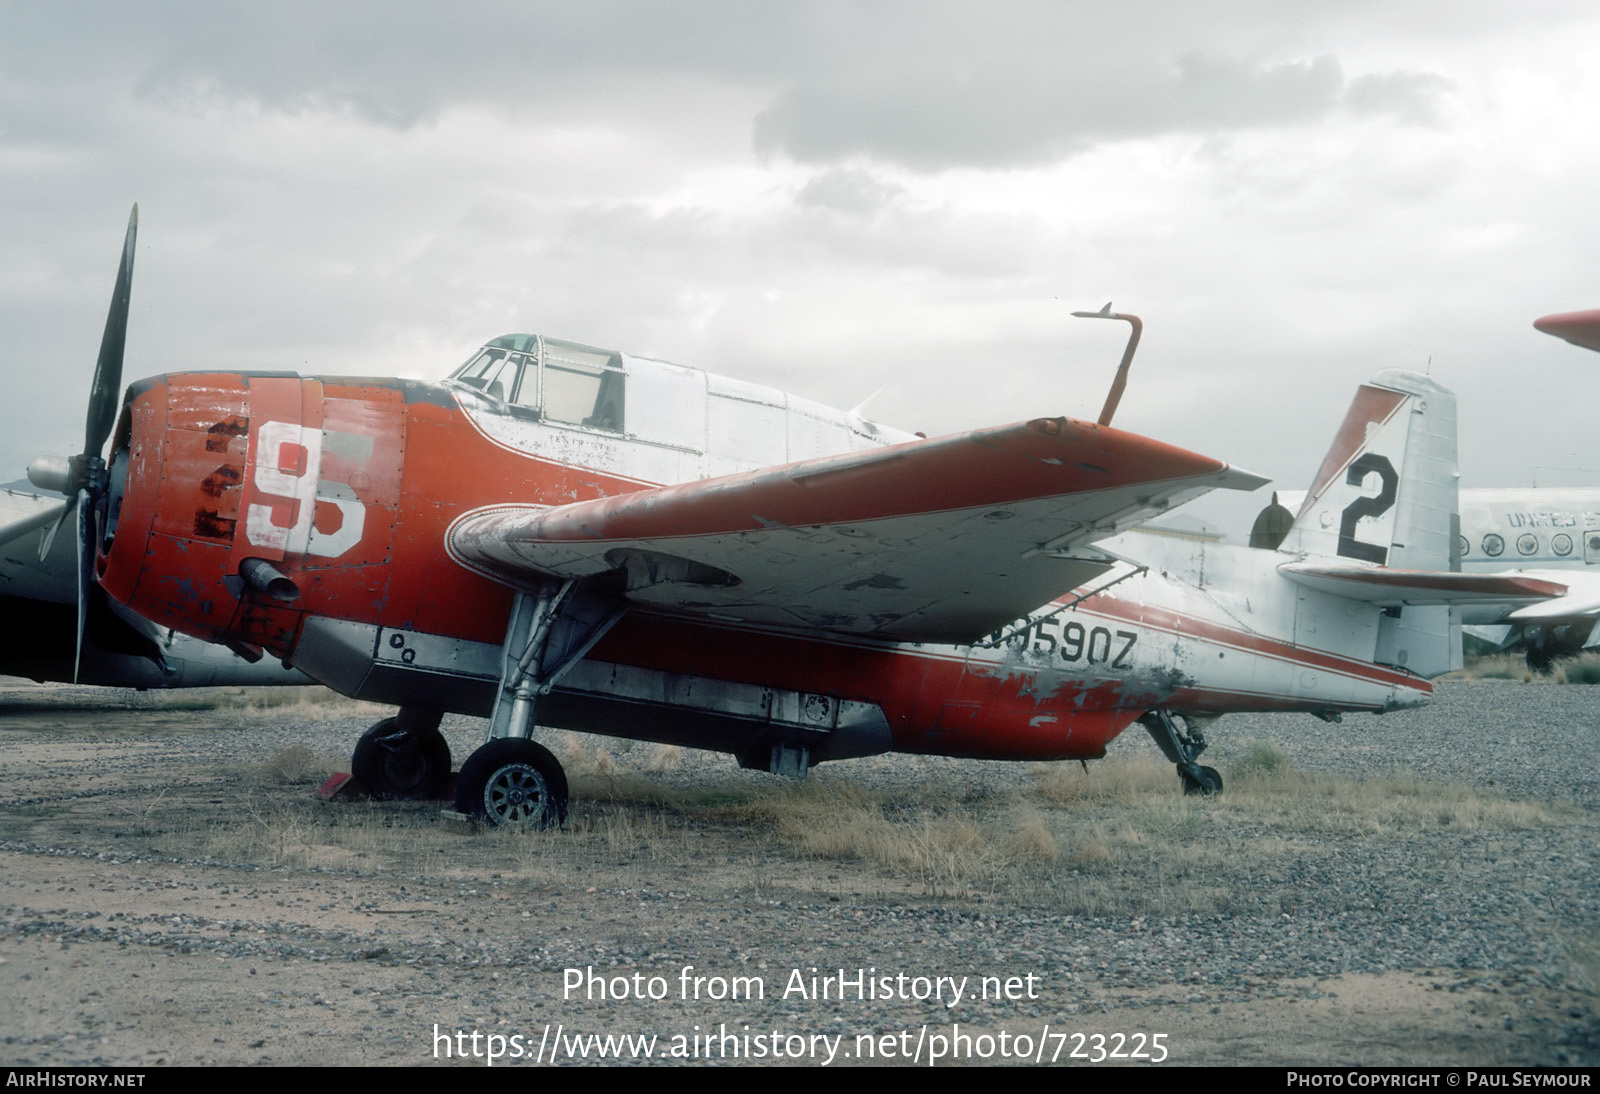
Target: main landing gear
point(510, 779)
point(1549, 643)
point(1183, 745)
point(404, 758)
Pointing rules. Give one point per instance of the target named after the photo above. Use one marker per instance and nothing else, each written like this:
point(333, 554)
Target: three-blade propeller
point(84, 480)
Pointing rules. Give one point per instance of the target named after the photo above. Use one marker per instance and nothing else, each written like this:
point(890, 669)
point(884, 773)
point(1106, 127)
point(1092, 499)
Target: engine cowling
point(239, 503)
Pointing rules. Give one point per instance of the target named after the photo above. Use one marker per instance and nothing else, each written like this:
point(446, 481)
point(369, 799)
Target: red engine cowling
point(216, 474)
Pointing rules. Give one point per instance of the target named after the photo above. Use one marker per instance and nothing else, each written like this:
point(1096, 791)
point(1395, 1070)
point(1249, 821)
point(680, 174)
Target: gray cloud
point(1030, 111)
point(849, 190)
point(927, 86)
point(397, 63)
point(1411, 97)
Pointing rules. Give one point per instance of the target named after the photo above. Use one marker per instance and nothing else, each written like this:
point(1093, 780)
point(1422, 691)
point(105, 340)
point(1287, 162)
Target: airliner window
point(583, 386)
point(1493, 545)
point(1527, 544)
point(1561, 544)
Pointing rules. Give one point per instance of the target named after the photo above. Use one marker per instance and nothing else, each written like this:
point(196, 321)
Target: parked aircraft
point(575, 537)
point(1543, 532)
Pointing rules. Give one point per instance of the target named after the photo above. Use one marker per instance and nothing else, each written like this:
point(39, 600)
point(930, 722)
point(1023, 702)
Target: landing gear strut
point(511, 780)
point(404, 758)
point(1183, 745)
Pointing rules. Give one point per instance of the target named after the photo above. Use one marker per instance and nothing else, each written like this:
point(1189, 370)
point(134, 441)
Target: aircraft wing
point(939, 540)
point(1582, 599)
point(22, 511)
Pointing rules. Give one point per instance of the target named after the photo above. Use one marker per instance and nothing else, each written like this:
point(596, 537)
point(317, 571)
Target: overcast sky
point(829, 198)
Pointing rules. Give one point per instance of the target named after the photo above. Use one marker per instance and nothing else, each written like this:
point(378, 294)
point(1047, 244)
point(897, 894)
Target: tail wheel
point(513, 782)
point(1201, 780)
point(401, 764)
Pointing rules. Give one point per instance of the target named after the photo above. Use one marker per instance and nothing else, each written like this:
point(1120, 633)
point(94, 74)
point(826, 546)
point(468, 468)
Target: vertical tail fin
point(1386, 494)
point(1386, 490)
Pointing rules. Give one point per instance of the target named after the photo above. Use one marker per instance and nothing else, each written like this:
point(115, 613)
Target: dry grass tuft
point(302, 704)
point(1336, 806)
point(1500, 666)
point(1121, 780)
point(664, 758)
point(293, 765)
point(1260, 761)
point(1583, 669)
point(1091, 849)
point(1033, 842)
point(945, 846)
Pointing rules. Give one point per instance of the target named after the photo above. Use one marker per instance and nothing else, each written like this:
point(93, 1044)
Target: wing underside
point(938, 540)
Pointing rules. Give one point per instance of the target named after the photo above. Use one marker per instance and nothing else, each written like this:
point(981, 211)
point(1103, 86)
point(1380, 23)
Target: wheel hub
point(403, 762)
point(516, 792)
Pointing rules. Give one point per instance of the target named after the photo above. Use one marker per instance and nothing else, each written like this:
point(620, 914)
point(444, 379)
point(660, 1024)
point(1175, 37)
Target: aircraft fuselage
point(347, 488)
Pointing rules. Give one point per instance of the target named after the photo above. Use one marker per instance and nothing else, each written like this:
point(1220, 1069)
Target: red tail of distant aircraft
point(1581, 328)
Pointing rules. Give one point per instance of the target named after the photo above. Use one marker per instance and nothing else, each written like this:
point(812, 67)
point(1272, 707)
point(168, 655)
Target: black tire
point(401, 765)
point(1203, 780)
point(513, 782)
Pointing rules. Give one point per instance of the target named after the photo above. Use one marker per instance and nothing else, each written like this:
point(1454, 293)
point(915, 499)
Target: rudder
point(1386, 492)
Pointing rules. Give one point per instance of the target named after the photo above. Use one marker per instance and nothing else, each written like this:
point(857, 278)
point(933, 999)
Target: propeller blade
point(85, 572)
point(50, 537)
point(105, 395)
point(88, 469)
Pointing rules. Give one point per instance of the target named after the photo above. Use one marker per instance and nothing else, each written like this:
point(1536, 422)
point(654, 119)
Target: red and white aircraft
point(569, 536)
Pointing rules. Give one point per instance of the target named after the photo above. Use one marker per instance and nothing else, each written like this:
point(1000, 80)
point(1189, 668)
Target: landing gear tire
point(1181, 740)
point(1201, 780)
point(512, 782)
point(400, 764)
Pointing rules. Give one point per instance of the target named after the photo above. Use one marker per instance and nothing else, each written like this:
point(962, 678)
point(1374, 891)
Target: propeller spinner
point(84, 478)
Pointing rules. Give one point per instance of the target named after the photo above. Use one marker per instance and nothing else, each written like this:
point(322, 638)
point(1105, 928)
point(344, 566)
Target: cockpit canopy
point(695, 423)
point(550, 380)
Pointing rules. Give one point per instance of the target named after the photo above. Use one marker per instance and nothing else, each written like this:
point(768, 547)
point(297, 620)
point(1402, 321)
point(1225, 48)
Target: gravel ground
point(164, 902)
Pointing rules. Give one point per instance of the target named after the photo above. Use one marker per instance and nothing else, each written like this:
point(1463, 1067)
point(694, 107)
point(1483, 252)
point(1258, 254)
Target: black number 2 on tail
point(1373, 507)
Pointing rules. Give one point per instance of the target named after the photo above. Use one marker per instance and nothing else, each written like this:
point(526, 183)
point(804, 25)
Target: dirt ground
point(173, 893)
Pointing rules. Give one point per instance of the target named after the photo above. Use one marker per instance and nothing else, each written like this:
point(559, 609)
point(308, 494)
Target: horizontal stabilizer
point(1396, 588)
